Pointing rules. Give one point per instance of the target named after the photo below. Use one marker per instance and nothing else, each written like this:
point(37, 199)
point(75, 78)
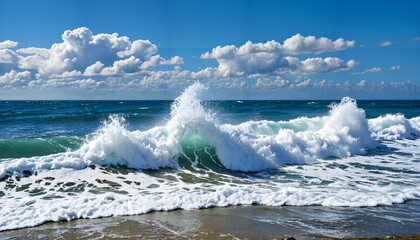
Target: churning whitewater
point(191, 161)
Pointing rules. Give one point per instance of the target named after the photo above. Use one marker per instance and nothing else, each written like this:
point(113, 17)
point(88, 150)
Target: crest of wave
point(394, 126)
point(245, 147)
point(114, 144)
point(157, 147)
point(266, 144)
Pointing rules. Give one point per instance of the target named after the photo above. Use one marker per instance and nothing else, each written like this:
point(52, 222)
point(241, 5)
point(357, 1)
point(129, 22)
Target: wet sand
point(239, 222)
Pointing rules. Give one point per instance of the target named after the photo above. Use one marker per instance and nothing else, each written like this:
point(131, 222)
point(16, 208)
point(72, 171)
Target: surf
point(193, 161)
point(249, 146)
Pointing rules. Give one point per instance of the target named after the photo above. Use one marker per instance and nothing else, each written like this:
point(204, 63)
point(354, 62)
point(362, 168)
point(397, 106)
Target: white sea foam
point(250, 146)
point(327, 186)
point(352, 180)
point(115, 205)
point(394, 126)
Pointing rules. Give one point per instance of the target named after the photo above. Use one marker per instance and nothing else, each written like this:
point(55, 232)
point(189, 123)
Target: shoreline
point(208, 208)
point(240, 222)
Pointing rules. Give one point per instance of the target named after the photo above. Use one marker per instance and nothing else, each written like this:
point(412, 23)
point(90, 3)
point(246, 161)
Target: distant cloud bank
point(84, 60)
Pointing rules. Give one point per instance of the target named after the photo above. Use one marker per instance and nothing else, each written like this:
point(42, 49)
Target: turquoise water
point(63, 160)
point(36, 128)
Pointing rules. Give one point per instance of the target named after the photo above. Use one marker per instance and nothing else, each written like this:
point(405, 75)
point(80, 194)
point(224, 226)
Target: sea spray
point(394, 126)
point(114, 144)
point(336, 159)
point(341, 133)
point(250, 146)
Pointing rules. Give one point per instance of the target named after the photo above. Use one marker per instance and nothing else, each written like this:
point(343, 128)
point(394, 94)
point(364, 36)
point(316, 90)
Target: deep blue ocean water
point(44, 119)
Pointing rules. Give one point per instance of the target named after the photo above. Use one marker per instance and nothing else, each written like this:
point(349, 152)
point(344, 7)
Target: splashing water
point(340, 159)
point(250, 146)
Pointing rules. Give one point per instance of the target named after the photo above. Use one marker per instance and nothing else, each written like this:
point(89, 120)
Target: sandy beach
point(239, 222)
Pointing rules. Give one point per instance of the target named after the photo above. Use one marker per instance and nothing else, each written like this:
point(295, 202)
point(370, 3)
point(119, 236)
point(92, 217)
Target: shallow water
point(240, 222)
point(65, 160)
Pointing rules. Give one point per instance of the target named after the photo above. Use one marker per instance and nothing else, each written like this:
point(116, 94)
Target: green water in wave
point(29, 147)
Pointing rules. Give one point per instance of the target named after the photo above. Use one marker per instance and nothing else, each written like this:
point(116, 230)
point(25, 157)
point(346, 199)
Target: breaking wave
point(210, 164)
point(250, 146)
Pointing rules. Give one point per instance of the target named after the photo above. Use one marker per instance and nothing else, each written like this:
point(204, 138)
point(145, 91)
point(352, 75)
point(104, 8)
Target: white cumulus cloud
point(94, 69)
point(141, 49)
point(299, 44)
point(374, 69)
point(110, 61)
point(129, 65)
point(81, 49)
point(44, 52)
point(14, 78)
point(8, 44)
point(81, 53)
point(397, 67)
point(270, 83)
point(362, 83)
point(320, 65)
point(268, 59)
point(8, 56)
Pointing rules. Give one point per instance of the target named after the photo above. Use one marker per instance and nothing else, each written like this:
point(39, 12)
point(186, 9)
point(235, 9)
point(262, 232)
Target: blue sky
point(297, 49)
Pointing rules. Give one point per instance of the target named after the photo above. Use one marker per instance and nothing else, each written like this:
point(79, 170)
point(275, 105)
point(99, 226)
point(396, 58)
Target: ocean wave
point(250, 146)
point(209, 164)
point(394, 126)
